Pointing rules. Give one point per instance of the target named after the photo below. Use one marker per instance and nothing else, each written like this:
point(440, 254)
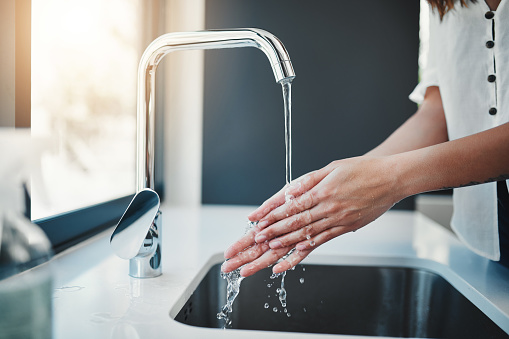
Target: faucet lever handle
point(128, 237)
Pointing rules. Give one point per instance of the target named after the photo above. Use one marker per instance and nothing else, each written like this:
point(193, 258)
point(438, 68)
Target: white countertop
point(95, 298)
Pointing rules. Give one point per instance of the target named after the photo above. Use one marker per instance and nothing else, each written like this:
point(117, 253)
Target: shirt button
point(493, 111)
point(489, 15)
point(490, 44)
point(492, 78)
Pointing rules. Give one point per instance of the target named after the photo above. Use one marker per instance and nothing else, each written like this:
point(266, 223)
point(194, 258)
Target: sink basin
point(353, 300)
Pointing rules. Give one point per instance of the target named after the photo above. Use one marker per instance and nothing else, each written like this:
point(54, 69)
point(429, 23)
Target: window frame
point(68, 229)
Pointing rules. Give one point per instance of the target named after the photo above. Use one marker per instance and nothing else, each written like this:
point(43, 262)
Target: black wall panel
point(356, 63)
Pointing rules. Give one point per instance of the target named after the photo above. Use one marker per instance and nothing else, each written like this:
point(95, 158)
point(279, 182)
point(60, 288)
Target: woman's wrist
point(399, 168)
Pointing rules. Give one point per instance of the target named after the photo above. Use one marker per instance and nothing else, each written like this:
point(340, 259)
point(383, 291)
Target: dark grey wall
point(356, 63)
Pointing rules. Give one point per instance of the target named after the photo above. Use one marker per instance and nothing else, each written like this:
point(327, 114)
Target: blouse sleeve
point(429, 75)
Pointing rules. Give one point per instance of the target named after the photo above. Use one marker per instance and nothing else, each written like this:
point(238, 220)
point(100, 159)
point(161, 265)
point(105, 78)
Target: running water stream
point(234, 278)
point(287, 100)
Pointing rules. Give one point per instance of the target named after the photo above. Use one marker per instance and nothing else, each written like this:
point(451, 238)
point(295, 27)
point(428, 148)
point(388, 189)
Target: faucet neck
point(155, 52)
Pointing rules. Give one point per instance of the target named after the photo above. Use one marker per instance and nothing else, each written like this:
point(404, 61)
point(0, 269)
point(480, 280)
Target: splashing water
point(281, 292)
point(234, 279)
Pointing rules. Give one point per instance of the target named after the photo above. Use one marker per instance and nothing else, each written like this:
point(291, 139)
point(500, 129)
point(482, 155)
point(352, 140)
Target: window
point(423, 35)
point(84, 64)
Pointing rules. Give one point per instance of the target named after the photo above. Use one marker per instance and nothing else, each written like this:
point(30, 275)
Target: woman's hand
point(315, 208)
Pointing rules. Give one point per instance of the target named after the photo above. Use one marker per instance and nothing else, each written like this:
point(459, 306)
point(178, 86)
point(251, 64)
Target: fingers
point(293, 259)
point(303, 249)
point(296, 188)
point(293, 207)
point(261, 256)
point(273, 202)
point(246, 241)
point(249, 255)
point(323, 237)
point(290, 224)
point(304, 233)
point(269, 258)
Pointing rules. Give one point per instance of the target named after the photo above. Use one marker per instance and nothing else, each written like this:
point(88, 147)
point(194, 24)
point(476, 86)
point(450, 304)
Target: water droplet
point(305, 310)
point(285, 310)
point(278, 290)
point(288, 197)
point(266, 305)
point(275, 275)
point(288, 315)
point(312, 243)
point(301, 280)
point(274, 309)
point(303, 269)
point(308, 237)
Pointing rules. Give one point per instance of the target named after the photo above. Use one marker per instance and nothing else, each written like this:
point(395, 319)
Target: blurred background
point(221, 137)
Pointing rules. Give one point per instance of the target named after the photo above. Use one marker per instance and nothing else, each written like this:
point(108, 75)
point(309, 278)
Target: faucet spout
point(143, 213)
point(213, 39)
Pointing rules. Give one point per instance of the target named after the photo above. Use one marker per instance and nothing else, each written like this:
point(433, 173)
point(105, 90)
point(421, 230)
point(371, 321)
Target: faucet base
point(147, 264)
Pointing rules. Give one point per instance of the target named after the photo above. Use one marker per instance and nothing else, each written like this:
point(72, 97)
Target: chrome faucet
point(138, 234)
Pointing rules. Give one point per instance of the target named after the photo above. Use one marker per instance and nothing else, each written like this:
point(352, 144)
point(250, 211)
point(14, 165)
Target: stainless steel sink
point(353, 300)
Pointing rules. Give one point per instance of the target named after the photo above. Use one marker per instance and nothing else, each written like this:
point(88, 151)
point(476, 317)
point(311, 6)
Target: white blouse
point(469, 61)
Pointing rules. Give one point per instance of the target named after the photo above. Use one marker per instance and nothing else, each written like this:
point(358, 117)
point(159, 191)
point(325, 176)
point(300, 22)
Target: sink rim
point(461, 285)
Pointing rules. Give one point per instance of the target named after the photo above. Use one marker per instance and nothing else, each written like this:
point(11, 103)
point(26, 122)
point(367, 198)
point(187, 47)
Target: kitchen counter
point(95, 298)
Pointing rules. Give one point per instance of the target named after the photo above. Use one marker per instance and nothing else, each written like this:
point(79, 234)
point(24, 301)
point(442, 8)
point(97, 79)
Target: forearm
point(475, 159)
point(425, 128)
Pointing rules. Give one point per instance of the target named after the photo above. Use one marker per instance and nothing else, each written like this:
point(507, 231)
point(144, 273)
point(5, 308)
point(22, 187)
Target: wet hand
point(339, 198)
